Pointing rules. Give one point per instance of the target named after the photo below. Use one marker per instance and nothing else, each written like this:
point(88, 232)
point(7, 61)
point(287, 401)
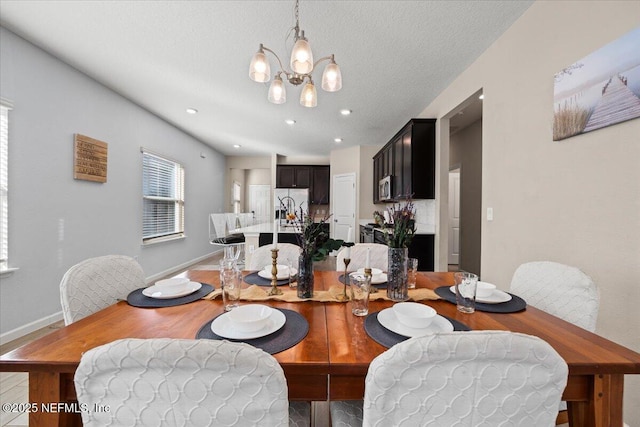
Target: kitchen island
point(262, 234)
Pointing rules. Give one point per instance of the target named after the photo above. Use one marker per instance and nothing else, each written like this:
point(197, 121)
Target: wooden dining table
point(331, 362)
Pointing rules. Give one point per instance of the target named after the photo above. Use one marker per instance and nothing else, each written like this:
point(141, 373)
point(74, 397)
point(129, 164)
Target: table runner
point(513, 306)
point(388, 339)
point(294, 330)
point(259, 293)
point(137, 299)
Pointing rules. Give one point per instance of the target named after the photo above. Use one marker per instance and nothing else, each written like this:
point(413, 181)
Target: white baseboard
point(177, 268)
point(30, 327)
point(53, 318)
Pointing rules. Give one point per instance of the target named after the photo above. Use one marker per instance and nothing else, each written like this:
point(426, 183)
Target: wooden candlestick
point(367, 272)
point(274, 274)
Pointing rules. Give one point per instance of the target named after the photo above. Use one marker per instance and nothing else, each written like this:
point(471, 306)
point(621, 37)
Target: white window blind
point(163, 198)
point(4, 185)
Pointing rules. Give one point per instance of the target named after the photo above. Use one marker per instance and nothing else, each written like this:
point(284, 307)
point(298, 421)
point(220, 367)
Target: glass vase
point(305, 277)
point(397, 283)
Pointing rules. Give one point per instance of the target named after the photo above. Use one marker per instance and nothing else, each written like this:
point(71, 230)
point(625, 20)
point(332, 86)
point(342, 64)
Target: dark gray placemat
point(294, 330)
point(513, 306)
point(377, 285)
point(254, 279)
point(388, 339)
point(137, 299)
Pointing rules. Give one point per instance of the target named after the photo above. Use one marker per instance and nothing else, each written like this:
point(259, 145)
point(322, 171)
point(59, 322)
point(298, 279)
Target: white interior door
point(343, 205)
point(454, 216)
point(259, 202)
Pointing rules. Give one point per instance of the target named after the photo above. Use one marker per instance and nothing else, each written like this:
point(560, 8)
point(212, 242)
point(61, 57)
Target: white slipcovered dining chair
point(179, 382)
point(261, 257)
point(97, 283)
point(379, 257)
point(460, 378)
point(561, 290)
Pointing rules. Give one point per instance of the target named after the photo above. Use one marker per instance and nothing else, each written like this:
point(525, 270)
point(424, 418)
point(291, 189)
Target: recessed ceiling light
point(237, 145)
point(191, 111)
point(345, 112)
point(290, 122)
point(337, 140)
point(481, 96)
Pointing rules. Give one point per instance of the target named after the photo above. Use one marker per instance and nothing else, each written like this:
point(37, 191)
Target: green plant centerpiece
point(313, 238)
point(398, 238)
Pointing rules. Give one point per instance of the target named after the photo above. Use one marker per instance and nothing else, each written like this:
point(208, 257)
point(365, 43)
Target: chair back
point(181, 382)
point(217, 226)
point(379, 256)
point(96, 283)
point(561, 290)
point(262, 255)
point(465, 378)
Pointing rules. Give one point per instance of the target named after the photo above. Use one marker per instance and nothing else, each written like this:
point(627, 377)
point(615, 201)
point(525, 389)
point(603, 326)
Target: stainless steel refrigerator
point(290, 201)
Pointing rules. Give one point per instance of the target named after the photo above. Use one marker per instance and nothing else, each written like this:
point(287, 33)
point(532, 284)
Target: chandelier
point(301, 67)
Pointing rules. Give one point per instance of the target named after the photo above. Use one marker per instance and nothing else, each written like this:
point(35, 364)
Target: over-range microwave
point(384, 188)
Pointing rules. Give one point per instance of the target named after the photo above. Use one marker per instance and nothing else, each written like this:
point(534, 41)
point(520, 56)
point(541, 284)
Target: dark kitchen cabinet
point(316, 178)
point(410, 157)
point(422, 248)
point(290, 176)
point(320, 185)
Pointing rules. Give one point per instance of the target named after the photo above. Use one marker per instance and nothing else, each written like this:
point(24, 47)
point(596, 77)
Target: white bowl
point(374, 271)
point(175, 284)
point(250, 317)
point(485, 289)
point(413, 314)
point(282, 269)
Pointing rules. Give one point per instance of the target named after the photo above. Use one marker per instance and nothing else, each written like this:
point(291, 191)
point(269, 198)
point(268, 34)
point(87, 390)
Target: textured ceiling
point(166, 56)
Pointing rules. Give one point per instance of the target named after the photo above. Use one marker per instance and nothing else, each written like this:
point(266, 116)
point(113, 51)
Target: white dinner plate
point(375, 280)
point(388, 319)
point(223, 326)
point(497, 297)
point(154, 292)
point(281, 275)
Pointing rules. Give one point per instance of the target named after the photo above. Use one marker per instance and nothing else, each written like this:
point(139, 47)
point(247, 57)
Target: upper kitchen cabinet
point(289, 176)
point(315, 178)
point(320, 185)
point(409, 157)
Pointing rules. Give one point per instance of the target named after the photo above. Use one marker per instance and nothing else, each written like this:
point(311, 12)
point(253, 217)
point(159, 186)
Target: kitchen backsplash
point(425, 211)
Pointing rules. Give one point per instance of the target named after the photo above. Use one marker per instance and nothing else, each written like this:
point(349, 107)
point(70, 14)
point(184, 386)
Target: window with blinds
point(163, 198)
point(4, 184)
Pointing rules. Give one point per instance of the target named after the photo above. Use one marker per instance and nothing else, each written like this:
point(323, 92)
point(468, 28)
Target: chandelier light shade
point(301, 68)
point(277, 92)
point(260, 71)
point(308, 96)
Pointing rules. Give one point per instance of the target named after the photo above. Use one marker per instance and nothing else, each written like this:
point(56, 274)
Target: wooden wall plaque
point(89, 159)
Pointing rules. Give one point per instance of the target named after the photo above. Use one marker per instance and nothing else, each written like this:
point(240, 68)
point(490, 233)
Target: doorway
point(260, 202)
point(343, 204)
point(465, 156)
point(454, 219)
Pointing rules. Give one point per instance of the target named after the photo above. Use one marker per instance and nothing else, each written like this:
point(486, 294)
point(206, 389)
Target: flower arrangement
point(313, 237)
point(403, 225)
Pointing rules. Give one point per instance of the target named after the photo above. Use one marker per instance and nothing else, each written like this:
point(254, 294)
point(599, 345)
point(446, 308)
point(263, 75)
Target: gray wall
point(466, 151)
point(56, 221)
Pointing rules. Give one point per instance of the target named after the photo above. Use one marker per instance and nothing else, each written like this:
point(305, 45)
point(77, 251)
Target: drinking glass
point(291, 263)
point(231, 282)
point(412, 272)
point(466, 285)
point(360, 285)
